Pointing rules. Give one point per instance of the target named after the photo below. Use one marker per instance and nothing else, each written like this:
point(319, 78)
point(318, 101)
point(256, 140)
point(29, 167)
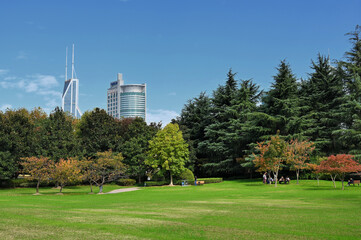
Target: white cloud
point(157, 115)
point(38, 83)
point(5, 106)
point(3, 71)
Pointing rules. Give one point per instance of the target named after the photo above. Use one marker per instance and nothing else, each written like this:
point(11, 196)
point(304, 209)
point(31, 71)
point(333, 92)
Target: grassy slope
point(228, 210)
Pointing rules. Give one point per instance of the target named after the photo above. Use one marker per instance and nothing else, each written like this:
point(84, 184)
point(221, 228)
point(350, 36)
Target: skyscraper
point(70, 97)
point(126, 101)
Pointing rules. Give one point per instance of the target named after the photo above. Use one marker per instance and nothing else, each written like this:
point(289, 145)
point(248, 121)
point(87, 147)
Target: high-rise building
point(126, 101)
point(70, 97)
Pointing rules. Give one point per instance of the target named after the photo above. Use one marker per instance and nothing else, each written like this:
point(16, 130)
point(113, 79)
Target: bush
point(126, 182)
point(19, 182)
point(187, 175)
point(156, 183)
point(210, 180)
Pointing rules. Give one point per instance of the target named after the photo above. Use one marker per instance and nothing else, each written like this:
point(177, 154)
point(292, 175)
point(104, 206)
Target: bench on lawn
point(200, 182)
point(356, 182)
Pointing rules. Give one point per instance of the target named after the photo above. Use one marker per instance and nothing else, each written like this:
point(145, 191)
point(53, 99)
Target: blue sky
point(179, 48)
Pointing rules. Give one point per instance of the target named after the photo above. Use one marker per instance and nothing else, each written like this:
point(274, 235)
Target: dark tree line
point(325, 108)
point(59, 136)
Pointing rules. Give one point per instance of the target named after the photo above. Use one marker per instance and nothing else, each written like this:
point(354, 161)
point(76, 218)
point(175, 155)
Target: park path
point(123, 190)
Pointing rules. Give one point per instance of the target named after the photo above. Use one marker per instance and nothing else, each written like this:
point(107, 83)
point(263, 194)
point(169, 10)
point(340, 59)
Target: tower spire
point(72, 63)
point(66, 64)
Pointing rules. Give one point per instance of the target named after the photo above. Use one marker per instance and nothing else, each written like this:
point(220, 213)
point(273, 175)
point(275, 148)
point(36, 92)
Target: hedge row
point(210, 180)
point(155, 183)
point(126, 182)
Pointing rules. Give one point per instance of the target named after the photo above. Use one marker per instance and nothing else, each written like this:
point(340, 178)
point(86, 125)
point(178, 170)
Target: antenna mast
point(72, 63)
point(66, 64)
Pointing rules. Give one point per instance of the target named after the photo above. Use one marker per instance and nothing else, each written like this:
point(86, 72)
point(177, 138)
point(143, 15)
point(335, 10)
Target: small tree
point(87, 172)
point(314, 167)
point(106, 167)
point(168, 151)
point(39, 168)
point(299, 154)
point(65, 172)
point(339, 165)
point(272, 155)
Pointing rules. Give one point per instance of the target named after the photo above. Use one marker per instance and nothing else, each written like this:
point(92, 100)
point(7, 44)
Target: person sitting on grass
point(282, 180)
point(271, 180)
point(287, 180)
point(349, 182)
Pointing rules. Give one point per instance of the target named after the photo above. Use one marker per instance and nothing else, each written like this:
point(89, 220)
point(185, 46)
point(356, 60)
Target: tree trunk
point(171, 180)
point(139, 178)
point(37, 187)
point(276, 179)
point(101, 188)
point(61, 188)
point(333, 181)
point(342, 185)
point(297, 174)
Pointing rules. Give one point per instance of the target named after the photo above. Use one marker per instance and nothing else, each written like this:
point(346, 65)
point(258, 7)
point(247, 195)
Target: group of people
point(270, 180)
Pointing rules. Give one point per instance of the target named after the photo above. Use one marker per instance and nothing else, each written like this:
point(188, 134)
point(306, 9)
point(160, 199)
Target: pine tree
point(350, 72)
point(281, 101)
point(194, 118)
point(322, 96)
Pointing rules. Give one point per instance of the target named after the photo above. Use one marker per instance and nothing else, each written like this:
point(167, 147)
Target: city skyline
point(179, 48)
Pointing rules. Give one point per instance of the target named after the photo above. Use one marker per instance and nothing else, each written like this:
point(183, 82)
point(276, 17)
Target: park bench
point(356, 182)
point(200, 182)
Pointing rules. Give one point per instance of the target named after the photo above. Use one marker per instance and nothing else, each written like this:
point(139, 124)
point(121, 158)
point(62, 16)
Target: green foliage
point(186, 175)
point(135, 146)
point(168, 151)
point(97, 132)
point(282, 103)
point(322, 96)
point(155, 183)
point(57, 138)
point(126, 182)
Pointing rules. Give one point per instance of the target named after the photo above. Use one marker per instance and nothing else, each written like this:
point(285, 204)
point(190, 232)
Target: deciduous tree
point(339, 165)
point(168, 151)
point(272, 156)
point(299, 154)
point(39, 169)
point(106, 167)
point(65, 172)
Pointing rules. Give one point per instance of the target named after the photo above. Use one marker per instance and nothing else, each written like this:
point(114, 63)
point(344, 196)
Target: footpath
point(123, 190)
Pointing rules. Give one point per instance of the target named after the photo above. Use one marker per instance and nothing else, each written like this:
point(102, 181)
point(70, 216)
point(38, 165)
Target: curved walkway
point(123, 190)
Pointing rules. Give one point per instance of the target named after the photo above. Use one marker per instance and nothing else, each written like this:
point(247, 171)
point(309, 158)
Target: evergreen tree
point(322, 96)
point(193, 120)
point(281, 101)
point(350, 72)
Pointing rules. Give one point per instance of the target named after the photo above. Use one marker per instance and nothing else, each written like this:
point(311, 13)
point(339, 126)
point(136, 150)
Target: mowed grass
point(242, 209)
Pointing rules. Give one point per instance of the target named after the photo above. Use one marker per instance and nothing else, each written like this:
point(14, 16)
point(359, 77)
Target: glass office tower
point(126, 101)
point(70, 97)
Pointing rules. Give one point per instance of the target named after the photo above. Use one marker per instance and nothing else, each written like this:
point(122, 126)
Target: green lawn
point(228, 210)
